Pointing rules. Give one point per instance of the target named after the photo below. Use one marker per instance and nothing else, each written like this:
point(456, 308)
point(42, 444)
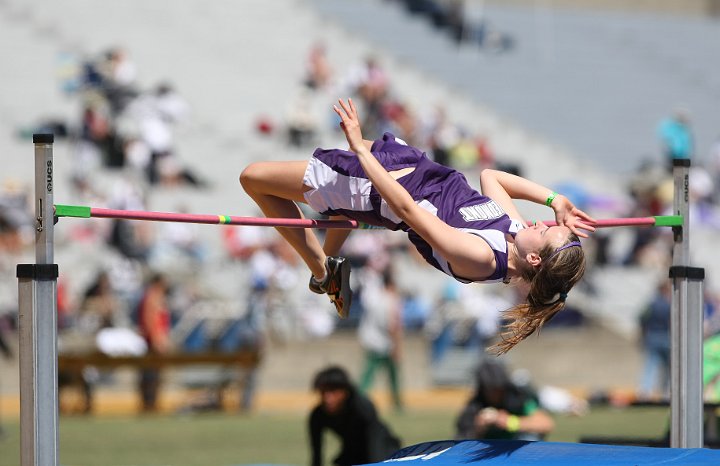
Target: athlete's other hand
point(350, 124)
point(570, 216)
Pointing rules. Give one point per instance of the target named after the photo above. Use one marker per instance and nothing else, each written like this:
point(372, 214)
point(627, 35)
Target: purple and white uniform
point(340, 187)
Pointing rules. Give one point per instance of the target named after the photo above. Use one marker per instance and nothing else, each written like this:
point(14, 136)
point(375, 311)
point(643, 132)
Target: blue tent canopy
point(514, 452)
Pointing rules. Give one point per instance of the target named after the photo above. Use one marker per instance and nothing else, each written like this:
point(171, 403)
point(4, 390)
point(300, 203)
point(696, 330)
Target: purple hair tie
point(571, 244)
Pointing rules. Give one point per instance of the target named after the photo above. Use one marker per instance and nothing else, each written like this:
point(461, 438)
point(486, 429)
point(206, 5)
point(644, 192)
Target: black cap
point(43, 138)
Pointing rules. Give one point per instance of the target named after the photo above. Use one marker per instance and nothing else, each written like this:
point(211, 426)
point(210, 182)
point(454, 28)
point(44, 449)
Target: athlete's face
point(531, 240)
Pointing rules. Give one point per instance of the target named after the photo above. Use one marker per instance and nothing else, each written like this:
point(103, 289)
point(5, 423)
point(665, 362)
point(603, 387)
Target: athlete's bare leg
point(276, 187)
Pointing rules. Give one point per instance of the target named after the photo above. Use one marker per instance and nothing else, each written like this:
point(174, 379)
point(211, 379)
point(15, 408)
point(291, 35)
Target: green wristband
point(550, 198)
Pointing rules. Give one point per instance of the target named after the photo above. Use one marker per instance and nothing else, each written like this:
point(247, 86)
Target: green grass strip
point(72, 211)
point(668, 220)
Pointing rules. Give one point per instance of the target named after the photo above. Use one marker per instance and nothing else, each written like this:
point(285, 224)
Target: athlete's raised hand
point(350, 124)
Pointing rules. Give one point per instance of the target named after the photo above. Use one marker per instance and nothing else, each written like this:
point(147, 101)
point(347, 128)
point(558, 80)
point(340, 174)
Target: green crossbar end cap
point(72, 211)
point(668, 221)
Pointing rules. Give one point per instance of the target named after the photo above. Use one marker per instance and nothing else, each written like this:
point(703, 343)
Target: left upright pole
point(37, 293)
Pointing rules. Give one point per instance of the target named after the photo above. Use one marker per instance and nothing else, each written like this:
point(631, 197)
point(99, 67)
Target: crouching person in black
point(502, 409)
point(364, 438)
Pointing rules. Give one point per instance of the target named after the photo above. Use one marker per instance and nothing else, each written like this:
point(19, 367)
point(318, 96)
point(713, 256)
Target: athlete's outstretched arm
point(391, 191)
point(465, 252)
point(503, 187)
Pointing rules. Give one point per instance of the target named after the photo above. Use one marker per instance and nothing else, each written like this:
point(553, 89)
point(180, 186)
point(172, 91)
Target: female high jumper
point(470, 236)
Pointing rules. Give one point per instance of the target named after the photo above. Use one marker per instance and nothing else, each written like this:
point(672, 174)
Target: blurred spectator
point(180, 245)
point(415, 310)
point(714, 168)
point(466, 317)
point(302, 126)
point(242, 243)
point(274, 275)
point(249, 334)
point(452, 145)
point(99, 143)
point(15, 234)
point(64, 305)
point(5, 328)
point(651, 192)
point(655, 338)
point(501, 409)
point(371, 82)
point(711, 368)
point(99, 305)
point(121, 126)
point(132, 239)
point(14, 223)
point(343, 410)
point(398, 118)
point(146, 127)
point(455, 19)
point(557, 400)
point(380, 331)
point(122, 70)
point(318, 72)
point(365, 247)
point(442, 135)
point(96, 312)
point(676, 137)
point(711, 347)
point(154, 326)
point(115, 76)
point(450, 16)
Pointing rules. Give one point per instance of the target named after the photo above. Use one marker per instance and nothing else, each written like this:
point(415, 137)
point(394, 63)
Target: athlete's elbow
point(488, 173)
point(404, 210)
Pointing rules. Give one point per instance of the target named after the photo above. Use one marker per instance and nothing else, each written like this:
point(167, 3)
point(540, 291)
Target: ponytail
point(550, 283)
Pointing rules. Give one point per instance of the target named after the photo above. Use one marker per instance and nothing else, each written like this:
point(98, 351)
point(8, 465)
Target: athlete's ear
point(533, 258)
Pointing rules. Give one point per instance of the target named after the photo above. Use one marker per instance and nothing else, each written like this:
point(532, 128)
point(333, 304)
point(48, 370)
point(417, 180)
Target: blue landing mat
point(510, 452)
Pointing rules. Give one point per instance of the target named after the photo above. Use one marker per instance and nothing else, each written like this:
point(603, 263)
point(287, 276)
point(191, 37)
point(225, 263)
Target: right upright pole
point(686, 400)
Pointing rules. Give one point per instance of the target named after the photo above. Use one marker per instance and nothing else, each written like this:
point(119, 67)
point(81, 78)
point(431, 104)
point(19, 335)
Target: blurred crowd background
point(159, 111)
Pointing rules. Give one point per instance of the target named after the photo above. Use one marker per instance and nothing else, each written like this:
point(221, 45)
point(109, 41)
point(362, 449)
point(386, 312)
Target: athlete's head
point(551, 261)
point(530, 241)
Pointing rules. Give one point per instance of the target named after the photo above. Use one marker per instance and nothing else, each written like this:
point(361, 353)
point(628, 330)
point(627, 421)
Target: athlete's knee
point(252, 176)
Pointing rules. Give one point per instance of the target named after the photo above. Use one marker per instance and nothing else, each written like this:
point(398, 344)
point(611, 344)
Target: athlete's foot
point(315, 286)
point(336, 284)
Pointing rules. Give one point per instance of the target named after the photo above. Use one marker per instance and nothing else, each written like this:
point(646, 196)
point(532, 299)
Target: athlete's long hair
point(550, 282)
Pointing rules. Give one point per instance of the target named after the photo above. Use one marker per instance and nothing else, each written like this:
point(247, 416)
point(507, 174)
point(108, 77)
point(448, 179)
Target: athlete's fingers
point(585, 216)
point(578, 228)
point(340, 113)
point(586, 226)
point(345, 107)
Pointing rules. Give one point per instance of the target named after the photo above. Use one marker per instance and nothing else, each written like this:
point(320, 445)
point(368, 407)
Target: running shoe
point(336, 284)
point(315, 286)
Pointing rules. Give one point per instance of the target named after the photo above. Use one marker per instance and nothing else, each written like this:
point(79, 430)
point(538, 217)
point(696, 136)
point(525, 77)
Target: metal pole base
point(37, 286)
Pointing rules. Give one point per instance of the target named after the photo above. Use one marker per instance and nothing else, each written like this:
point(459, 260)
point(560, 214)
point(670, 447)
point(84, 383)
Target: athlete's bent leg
point(276, 187)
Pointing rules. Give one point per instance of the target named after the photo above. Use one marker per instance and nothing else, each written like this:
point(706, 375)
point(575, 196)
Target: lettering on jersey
point(486, 211)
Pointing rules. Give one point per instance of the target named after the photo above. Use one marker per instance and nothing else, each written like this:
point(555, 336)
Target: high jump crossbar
point(37, 312)
point(62, 210)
